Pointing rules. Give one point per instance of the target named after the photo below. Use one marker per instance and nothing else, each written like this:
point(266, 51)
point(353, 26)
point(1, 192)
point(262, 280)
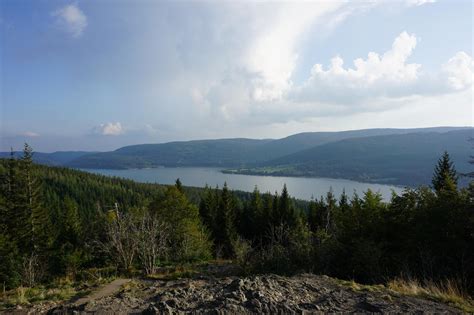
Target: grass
point(27, 296)
point(61, 289)
point(175, 273)
point(448, 292)
point(190, 270)
point(354, 286)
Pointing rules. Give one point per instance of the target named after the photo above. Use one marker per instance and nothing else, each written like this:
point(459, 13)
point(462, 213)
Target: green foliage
point(225, 233)
point(9, 263)
point(56, 222)
point(445, 176)
point(189, 240)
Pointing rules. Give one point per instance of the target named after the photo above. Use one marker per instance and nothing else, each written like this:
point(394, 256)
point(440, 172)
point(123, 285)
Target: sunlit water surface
point(299, 187)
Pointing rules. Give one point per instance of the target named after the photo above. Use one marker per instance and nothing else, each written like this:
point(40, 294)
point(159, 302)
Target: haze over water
point(299, 187)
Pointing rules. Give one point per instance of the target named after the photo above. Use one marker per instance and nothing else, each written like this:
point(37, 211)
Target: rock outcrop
point(269, 294)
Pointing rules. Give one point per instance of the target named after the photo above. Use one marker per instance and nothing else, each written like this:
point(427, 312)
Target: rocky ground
point(268, 294)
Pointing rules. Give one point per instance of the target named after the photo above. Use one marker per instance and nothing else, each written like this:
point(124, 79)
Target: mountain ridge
point(308, 154)
point(402, 159)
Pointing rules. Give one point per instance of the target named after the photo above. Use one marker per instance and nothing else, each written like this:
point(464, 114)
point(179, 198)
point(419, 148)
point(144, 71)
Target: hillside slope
point(303, 141)
point(53, 159)
point(397, 159)
point(225, 152)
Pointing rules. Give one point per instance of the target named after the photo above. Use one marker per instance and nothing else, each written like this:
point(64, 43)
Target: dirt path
point(106, 290)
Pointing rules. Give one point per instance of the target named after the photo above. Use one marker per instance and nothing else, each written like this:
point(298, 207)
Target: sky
point(101, 74)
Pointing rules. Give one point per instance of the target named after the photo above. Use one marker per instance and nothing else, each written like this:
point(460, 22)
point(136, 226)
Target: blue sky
point(100, 74)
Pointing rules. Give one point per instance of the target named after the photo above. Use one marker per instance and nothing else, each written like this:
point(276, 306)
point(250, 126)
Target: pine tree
point(313, 210)
point(330, 211)
point(70, 222)
point(225, 223)
point(208, 208)
point(267, 217)
point(276, 209)
point(68, 245)
point(252, 218)
point(178, 185)
point(12, 193)
point(286, 211)
point(35, 227)
point(445, 175)
point(344, 201)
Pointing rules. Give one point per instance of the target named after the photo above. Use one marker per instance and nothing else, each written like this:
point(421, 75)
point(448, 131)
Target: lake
point(299, 187)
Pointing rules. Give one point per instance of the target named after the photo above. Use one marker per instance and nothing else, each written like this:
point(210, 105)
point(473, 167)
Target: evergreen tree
point(36, 217)
point(313, 213)
point(252, 218)
point(70, 223)
point(69, 240)
point(445, 175)
point(284, 207)
point(276, 210)
point(178, 185)
point(14, 219)
point(343, 201)
point(208, 208)
point(329, 222)
point(267, 216)
point(226, 233)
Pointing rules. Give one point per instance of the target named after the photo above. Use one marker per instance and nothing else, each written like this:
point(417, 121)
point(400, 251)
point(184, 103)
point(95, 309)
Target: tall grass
point(447, 291)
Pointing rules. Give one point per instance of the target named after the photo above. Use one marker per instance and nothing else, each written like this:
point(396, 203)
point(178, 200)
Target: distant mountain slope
point(306, 140)
point(224, 152)
point(397, 159)
point(54, 159)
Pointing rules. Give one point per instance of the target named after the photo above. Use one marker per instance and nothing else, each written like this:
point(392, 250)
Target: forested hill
point(303, 141)
point(397, 156)
point(227, 152)
point(53, 159)
point(224, 152)
point(397, 159)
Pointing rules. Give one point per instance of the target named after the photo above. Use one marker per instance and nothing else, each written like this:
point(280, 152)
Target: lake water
point(299, 187)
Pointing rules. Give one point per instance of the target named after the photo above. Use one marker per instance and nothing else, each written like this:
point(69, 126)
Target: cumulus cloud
point(250, 79)
point(272, 56)
point(258, 49)
point(72, 19)
point(383, 76)
point(109, 129)
point(459, 70)
point(242, 75)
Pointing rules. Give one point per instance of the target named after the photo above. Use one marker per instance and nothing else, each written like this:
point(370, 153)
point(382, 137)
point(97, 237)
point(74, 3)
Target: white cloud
point(109, 129)
point(239, 79)
point(418, 3)
point(254, 53)
point(272, 55)
point(30, 134)
point(376, 72)
point(71, 19)
point(387, 76)
point(459, 70)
